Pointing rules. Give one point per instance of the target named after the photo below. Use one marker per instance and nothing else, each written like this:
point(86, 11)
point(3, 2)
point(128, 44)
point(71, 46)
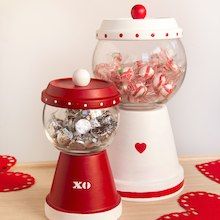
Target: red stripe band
point(139, 195)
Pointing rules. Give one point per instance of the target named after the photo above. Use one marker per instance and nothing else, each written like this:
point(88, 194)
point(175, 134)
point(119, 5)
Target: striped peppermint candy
point(146, 71)
point(166, 89)
point(159, 80)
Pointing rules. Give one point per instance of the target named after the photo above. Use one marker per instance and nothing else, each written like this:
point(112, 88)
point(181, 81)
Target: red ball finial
point(138, 12)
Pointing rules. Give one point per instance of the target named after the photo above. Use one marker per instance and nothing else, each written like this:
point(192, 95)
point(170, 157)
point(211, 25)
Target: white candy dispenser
point(146, 60)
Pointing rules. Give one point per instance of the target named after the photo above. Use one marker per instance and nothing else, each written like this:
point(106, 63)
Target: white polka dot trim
point(28, 181)
point(10, 161)
point(6, 190)
point(204, 169)
point(201, 193)
point(195, 213)
point(81, 103)
point(185, 201)
point(16, 188)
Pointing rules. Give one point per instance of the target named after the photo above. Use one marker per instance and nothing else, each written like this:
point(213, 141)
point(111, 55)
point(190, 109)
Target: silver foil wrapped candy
point(64, 136)
point(82, 129)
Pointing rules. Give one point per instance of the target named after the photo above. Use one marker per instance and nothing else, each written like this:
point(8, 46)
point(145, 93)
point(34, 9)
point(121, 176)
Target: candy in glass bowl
point(143, 57)
point(80, 130)
point(84, 123)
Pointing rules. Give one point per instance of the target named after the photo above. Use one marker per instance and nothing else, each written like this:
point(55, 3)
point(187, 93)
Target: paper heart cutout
point(140, 147)
point(198, 206)
point(6, 162)
point(13, 181)
point(210, 170)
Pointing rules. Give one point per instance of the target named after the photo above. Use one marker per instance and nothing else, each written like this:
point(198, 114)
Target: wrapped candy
point(117, 58)
point(159, 80)
point(53, 126)
point(64, 136)
point(150, 80)
point(82, 129)
point(126, 74)
point(146, 71)
point(83, 126)
point(166, 89)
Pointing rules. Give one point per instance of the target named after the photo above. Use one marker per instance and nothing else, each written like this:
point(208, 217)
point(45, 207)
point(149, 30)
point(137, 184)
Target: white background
point(44, 39)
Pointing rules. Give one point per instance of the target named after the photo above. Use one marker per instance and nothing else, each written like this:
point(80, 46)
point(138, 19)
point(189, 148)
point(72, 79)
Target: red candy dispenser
point(80, 119)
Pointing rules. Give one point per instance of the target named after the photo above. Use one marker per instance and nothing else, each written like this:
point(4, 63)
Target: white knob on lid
point(81, 77)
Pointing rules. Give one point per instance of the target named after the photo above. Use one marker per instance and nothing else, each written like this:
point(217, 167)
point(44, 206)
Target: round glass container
point(80, 130)
point(143, 57)
point(80, 119)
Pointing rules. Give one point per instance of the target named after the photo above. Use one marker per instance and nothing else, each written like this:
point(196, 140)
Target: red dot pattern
point(152, 35)
point(137, 35)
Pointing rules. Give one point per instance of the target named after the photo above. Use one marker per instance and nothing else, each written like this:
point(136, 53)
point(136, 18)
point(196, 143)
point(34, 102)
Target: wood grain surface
point(29, 204)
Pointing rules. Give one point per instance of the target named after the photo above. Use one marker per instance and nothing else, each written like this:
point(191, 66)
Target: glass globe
point(146, 72)
point(80, 131)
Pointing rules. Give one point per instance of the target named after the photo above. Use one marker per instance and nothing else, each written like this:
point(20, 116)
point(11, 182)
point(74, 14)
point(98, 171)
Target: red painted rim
point(145, 195)
point(64, 94)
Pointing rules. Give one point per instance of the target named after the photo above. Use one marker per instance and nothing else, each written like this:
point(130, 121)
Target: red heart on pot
point(198, 206)
point(140, 147)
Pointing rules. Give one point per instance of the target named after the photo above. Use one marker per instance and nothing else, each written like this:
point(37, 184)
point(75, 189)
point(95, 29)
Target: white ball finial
point(81, 77)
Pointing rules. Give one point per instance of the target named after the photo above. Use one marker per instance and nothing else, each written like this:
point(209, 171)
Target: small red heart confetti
point(6, 162)
point(140, 147)
point(13, 181)
point(198, 206)
point(210, 170)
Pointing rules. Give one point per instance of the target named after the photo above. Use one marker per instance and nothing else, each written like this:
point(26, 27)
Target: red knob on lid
point(96, 94)
point(138, 12)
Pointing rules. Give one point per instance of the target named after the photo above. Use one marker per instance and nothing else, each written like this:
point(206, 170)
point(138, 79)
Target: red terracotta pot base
point(198, 206)
point(12, 181)
point(210, 170)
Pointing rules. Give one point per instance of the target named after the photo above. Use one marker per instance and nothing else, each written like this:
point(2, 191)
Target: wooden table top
point(29, 204)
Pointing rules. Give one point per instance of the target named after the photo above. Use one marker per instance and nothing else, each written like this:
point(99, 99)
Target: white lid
point(139, 29)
